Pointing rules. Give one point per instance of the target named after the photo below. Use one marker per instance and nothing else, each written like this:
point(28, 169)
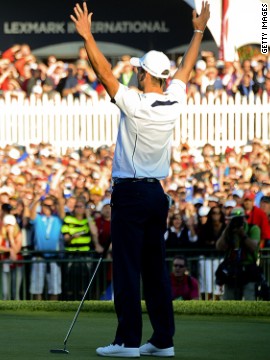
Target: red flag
point(224, 29)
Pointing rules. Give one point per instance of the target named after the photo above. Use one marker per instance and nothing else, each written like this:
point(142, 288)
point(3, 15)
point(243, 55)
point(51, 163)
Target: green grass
point(245, 308)
point(31, 334)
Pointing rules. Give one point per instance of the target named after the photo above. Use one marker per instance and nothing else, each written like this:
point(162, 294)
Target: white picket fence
point(69, 123)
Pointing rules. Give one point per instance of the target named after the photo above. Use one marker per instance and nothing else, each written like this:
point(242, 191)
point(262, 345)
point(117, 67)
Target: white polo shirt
point(143, 147)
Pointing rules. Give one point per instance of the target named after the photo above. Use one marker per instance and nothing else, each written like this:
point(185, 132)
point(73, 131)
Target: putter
point(64, 350)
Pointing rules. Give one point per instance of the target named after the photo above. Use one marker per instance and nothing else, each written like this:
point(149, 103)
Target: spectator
point(266, 87)
point(212, 201)
point(103, 223)
point(19, 55)
point(258, 75)
point(227, 208)
point(237, 195)
point(179, 235)
point(96, 195)
point(10, 245)
point(197, 79)
point(21, 211)
point(231, 73)
point(47, 228)
point(208, 263)
point(256, 216)
point(245, 85)
point(184, 286)
point(246, 67)
point(80, 238)
point(124, 72)
point(211, 82)
point(8, 73)
point(81, 82)
point(241, 244)
point(33, 84)
point(57, 71)
point(203, 214)
point(265, 206)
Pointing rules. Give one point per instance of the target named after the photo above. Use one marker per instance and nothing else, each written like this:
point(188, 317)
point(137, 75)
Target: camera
point(236, 222)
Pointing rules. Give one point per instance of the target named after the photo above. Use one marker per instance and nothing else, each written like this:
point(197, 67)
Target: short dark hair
point(265, 199)
point(6, 208)
point(180, 257)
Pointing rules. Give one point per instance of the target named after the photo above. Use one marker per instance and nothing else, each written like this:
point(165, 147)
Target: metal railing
point(76, 273)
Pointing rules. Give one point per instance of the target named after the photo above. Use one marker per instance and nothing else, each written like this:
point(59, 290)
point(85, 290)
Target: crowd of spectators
point(42, 190)
point(36, 183)
point(23, 74)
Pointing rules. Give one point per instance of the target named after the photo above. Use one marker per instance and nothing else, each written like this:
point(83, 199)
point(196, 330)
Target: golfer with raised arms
point(139, 205)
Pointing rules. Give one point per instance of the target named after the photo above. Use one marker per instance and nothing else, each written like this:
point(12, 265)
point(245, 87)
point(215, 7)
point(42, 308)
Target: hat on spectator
point(173, 187)
point(155, 63)
point(237, 211)
point(203, 210)
point(56, 166)
point(238, 192)
point(197, 201)
point(14, 154)
point(9, 220)
point(201, 65)
point(249, 195)
point(213, 199)
point(6, 190)
point(106, 201)
point(265, 199)
point(96, 190)
point(229, 203)
point(15, 170)
point(220, 64)
point(75, 156)
point(95, 175)
point(45, 152)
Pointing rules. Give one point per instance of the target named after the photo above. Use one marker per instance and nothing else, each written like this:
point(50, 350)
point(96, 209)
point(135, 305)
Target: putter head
point(59, 351)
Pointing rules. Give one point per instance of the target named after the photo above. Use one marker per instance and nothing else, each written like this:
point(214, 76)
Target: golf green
point(31, 335)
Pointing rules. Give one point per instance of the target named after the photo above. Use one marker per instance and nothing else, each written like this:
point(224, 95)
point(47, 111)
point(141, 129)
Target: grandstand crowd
point(35, 181)
point(23, 74)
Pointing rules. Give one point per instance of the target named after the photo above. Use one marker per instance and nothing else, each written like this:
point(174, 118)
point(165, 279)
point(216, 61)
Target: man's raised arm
point(191, 55)
point(83, 20)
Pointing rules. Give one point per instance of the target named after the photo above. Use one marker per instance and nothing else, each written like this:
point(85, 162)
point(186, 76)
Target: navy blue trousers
point(138, 223)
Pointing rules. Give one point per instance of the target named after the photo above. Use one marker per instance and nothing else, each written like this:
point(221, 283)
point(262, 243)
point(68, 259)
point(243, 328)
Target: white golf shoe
point(118, 351)
point(150, 350)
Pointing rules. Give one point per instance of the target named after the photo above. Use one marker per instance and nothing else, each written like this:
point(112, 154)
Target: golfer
point(139, 205)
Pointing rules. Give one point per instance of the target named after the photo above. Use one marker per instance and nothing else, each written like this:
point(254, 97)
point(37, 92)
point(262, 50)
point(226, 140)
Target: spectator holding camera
point(255, 215)
point(238, 272)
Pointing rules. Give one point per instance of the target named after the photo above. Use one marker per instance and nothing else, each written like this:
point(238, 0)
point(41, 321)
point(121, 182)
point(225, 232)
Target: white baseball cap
point(201, 65)
point(204, 210)
point(238, 192)
point(9, 220)
point(155, 63)
point(230, 203)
